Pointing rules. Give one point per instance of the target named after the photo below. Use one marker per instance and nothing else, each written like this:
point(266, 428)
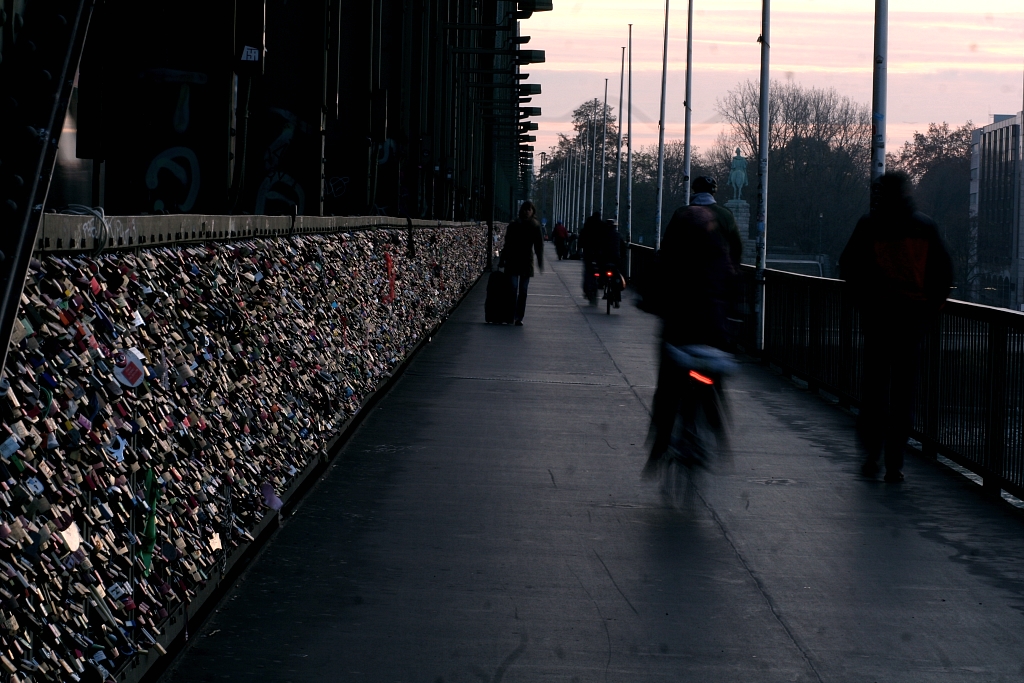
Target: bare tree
point(938, 162)
point(817, 163)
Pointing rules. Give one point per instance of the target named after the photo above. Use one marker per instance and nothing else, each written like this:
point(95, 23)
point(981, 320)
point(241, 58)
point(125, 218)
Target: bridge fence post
point(931, 387)
point(995, 422)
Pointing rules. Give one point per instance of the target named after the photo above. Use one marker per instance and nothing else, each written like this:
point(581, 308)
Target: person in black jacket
point(590, 244)
point(899, 274)
point(690, 292)
point(523, 239)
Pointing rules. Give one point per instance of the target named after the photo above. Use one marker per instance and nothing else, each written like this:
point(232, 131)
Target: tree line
point(818, 170)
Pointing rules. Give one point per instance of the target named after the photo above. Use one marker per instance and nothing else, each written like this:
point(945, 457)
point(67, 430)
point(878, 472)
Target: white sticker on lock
point(129, 367)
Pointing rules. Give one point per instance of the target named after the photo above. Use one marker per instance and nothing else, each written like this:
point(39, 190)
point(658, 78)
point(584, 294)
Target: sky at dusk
point(948, 61)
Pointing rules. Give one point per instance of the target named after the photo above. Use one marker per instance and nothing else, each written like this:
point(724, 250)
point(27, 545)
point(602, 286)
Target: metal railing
point(640, 264)
point(970, 399)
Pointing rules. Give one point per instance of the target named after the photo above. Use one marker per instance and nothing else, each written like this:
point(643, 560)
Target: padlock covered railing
point(163, 400)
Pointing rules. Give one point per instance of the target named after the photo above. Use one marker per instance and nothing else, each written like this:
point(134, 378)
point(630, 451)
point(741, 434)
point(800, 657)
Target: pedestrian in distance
point(899, 273)
point(523, 239)
point(560, 236)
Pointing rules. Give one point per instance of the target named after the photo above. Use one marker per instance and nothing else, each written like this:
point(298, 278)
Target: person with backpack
point(523, 239)
point(704, 190)
point(899, 274)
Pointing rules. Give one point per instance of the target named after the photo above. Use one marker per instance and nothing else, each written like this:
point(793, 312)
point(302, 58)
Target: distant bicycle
point(699, 434)
point(611, 281)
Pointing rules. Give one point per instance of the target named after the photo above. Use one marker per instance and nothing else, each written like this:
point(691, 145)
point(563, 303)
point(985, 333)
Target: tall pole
point(586, 174)
point(558, 211)
point(879, 89)
point(618, 149)
point(581, 156)
point(581, 182)
point(571, 188)
point(762, 172)
point(687, 105)
point(629, 158)
point(661, 138)
point(586, 163)
point(593, 160)
point(604, 139)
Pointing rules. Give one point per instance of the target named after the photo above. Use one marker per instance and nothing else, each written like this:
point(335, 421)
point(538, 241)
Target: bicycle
point(699, 434)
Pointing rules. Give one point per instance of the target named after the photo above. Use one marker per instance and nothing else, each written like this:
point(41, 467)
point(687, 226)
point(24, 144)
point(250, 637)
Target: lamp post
point(618, 149)
point(661, 138)
point(879, 93)
point(686, 105)
point(629, 160)
point(762, 173)
point(593, 160)
point(604, 139)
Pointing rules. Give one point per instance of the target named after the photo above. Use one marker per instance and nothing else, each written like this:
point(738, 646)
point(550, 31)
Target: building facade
point(997, 184)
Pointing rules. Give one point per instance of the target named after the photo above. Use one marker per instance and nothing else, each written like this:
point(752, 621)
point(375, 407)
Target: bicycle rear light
point(701, 378)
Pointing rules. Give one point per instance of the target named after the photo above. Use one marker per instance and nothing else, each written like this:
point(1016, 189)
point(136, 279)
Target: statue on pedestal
point(738, 175)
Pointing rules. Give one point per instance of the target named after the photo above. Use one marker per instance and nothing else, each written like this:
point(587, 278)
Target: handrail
point(970, 398)
point(69, 232)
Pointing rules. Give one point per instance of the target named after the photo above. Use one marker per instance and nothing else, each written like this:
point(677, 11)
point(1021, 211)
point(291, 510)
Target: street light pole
point(572, 187)
point(879, 92)
point(618, 149)
point(762, 172)
point(629, 159)
point(604, 139)
point(593, 161)
point(687, 105)
point(661, 138)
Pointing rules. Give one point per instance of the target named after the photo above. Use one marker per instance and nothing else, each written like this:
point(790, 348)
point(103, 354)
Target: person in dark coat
point(704, 190)
point(523, 239)
point(560, 236)
point(690, 292)
point(899, 274)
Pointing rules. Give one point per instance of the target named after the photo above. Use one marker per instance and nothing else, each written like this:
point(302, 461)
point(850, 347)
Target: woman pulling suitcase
point(523, 239)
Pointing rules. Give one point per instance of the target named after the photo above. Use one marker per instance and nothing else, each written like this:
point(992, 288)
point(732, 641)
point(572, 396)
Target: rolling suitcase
point(500, 302)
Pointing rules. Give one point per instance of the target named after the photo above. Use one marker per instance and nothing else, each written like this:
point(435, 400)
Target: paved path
point(487, 523)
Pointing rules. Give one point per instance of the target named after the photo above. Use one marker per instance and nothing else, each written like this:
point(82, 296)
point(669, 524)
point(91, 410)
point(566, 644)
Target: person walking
point(560, 236)
point(523, 239)
point(899, 274)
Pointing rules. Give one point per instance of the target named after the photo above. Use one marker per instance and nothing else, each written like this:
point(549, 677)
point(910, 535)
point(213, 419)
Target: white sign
point(250, 54)
point(129, 367)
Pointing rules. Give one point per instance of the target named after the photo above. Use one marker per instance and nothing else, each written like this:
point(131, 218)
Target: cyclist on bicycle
point(691, 291)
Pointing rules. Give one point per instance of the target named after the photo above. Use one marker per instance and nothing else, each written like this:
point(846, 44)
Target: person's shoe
point(894, 477)
point(519, 323)
point(869, 469)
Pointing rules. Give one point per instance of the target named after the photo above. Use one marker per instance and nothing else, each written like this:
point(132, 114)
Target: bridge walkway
point(488, 523)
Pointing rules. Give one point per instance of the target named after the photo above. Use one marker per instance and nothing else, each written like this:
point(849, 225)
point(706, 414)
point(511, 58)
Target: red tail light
point(610, 273)
point(701, 378)
point(597, 274)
